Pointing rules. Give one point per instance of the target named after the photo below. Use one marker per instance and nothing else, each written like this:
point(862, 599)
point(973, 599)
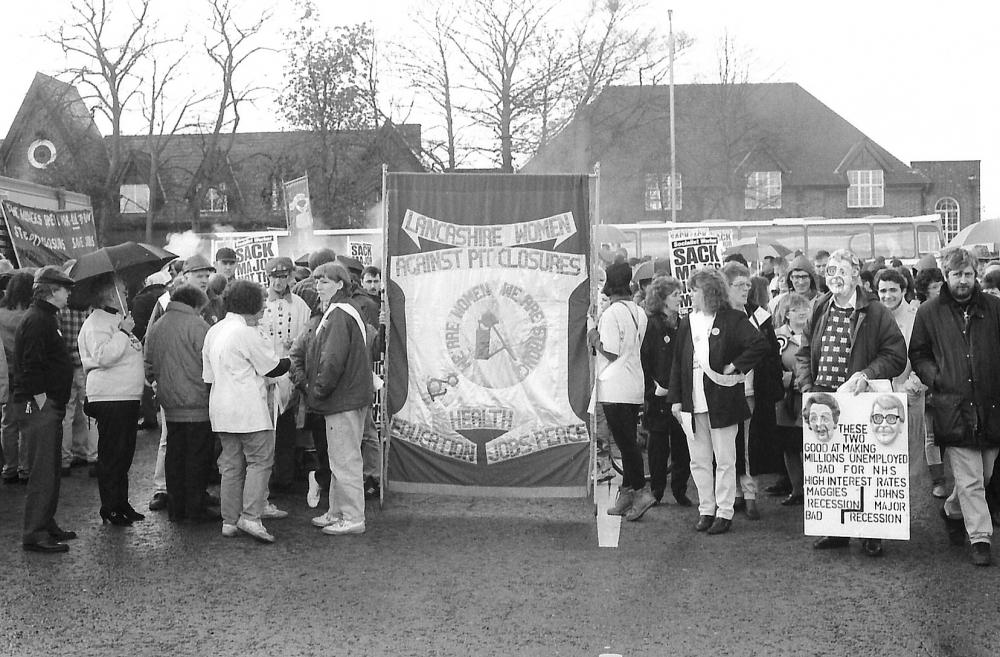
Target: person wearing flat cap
point(42, 385)
point(225, 262)
point(286, 317)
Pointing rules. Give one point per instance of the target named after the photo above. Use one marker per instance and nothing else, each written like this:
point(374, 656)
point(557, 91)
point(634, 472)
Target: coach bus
point(906, 238)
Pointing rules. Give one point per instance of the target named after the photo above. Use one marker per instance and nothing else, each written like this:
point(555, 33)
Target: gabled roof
point(717, 126)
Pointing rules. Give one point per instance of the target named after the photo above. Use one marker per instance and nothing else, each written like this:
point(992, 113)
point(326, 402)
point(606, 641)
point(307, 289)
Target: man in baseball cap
point(225, 262)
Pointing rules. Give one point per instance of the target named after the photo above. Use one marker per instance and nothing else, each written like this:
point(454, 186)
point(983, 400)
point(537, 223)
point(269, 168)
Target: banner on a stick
point(48, 237)
point(689, 254)
point(856, 465)
point(252, 254)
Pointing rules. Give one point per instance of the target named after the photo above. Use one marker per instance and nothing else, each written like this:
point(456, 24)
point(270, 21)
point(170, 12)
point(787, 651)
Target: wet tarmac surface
point(451, 576)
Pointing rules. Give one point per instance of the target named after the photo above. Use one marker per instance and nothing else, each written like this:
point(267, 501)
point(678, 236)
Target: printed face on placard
point(886, 422)
point(821, 422)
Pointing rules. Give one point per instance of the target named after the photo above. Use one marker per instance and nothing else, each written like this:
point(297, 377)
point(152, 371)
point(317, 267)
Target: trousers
point(117, 422)
point(188, 458)
point(245, 465)
point(40, 430)
point(972, 469)
point(343, 442)
point(716, 488)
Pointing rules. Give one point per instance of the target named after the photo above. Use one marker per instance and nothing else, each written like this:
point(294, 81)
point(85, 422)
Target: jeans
point(40, 431)
point(972, 469)
point(622, 420)
point(245, 464)
point(343, 441)
point(77, 439)
point(716, 489)
point(116, 426)
point(189, 456)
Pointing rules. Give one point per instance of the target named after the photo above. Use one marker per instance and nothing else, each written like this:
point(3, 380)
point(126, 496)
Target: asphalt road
point(450, 576)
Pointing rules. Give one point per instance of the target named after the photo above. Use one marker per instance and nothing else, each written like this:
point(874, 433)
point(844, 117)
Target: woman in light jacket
point(112, 360)
point(716, 347)
point(338, 385)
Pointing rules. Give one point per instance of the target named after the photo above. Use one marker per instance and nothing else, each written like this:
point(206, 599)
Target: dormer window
point(215, 199)
point(133, 199)
point(763, 191)
point(866, 188)
point(658, 195)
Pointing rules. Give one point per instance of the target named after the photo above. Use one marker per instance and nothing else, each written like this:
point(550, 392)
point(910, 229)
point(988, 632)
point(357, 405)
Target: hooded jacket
point(958, 361)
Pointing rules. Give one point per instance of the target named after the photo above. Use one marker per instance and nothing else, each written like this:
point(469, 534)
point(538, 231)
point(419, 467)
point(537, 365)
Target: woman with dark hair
point(716, 347)
point(666, 438)
point(13, 307)
point(927, 283)
point(236, 360)
point(791, 316)
point(617, 342)
point(112, 359)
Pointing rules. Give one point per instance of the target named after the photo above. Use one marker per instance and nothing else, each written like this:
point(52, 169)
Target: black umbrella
point(130, 261)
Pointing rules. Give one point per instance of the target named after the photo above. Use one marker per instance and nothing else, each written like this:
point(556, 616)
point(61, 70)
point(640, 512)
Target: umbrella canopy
point(754, 250)
point(982, 232)
point(132, 261)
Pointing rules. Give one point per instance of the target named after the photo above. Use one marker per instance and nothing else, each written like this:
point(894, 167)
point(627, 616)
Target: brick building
point(745, 152)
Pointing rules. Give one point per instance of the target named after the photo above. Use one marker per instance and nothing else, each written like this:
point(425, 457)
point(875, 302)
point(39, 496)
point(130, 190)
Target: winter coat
point(734, 340)
point(337, 365)
point(877, 346)
point(42, 361)
point(173, 359)
point(657, 355)
point(960, 367)
point(111, 358)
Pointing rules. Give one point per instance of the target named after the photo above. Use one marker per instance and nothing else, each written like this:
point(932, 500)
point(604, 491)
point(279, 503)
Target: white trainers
point(312, 497)
point(229, 531)
point(270, 511)
point(342, 526)
point(325, 520)
point(256, 529)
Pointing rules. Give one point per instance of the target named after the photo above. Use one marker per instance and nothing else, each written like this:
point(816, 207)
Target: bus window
point(928, 239)
point(655, 242)
point(894, 240)
point(791, 237)
point(830, 237)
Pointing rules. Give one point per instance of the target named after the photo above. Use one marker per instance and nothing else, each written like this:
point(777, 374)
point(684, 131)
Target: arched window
point(947, 207)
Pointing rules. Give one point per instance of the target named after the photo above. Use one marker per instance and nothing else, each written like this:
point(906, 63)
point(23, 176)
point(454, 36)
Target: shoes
point(980, 553)
point(795, 499)
point(92, 470)
point(66, 471)
point(229, 531)
point(739, 504)
point(939, 491)
point(830, 542)
point(272, 512)
point(77, 462)
point(341, 527)
point(955, 528)
point(50, 546)
point(682, 499)
point(312, 496)
point(324, 520)
point(131, 513)
point(753, 513)
point(116, 518)
point(641, 501)
point(256, 529)
point(62, 535)
point(872, 546)
point(158, 502)
point(720, 526)
point(704, 522)
point(623, 503)
point(783, 487)
point(371, 488)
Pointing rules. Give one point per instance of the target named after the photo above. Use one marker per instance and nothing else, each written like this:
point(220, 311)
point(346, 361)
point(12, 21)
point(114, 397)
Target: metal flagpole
point(673, 145)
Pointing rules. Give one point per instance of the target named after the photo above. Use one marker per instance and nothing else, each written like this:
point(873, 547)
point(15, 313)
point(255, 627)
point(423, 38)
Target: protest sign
point(362, 252)
point(252, 253)
point(690, 253)
point(856, 465)
point(48, 237)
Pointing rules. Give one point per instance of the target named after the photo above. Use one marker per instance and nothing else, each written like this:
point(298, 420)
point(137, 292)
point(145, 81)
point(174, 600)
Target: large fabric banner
point(48, 237)
point(488, 368)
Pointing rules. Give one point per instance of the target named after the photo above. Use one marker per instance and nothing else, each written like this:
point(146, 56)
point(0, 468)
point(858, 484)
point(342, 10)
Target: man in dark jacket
point(42, 386)
point(955, 351)
point(849, 339)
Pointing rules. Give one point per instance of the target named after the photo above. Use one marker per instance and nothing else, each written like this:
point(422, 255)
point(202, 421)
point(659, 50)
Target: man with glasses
point(848, 340)
point(955, 352)
point(286, 317)
point(887, 419)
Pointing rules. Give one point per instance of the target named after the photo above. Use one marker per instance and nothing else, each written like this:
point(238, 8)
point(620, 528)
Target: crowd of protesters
point(256, 388)
point(720, 389)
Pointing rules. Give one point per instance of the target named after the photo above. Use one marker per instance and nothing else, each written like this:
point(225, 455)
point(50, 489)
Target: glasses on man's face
point(843, 272)
point(887, 418)
point(744, 285)
point(279, 274)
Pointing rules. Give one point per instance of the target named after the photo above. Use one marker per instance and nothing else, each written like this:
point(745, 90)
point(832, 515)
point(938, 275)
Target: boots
point(624, 502)
point(642, 500)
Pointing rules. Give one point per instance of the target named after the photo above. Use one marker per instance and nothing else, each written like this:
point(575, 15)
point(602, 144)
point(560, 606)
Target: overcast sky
point(918, 77)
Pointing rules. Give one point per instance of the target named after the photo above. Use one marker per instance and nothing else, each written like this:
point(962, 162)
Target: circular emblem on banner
point(495, 334)
point(41, 153)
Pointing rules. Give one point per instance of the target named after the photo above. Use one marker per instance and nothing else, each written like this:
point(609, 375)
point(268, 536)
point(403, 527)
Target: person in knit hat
point(801, 279)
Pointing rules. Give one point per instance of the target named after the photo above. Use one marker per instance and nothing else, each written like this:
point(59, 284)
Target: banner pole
point(383, 427)
point(595, 220)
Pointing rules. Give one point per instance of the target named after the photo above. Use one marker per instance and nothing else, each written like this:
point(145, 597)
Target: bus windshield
point(830, 237)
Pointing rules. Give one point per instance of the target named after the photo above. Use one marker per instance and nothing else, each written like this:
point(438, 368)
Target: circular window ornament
point(41, 153)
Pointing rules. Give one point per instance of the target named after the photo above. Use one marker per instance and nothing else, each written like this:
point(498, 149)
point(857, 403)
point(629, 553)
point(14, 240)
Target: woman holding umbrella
point(112, 359)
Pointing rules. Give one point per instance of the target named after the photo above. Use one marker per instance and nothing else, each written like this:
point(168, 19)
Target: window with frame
point(658, 192)
point(866, 188)
point(763, 191)
point(215, 199)
point(947, 208)
point(133, 199)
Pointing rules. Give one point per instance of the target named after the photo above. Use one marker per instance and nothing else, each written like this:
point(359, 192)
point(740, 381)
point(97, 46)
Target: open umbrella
point(981, 232)
point(754, 250)
point(130, 261)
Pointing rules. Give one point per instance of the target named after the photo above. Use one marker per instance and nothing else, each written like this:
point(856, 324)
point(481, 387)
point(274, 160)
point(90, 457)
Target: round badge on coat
point(666, 339)
point(715, 331)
